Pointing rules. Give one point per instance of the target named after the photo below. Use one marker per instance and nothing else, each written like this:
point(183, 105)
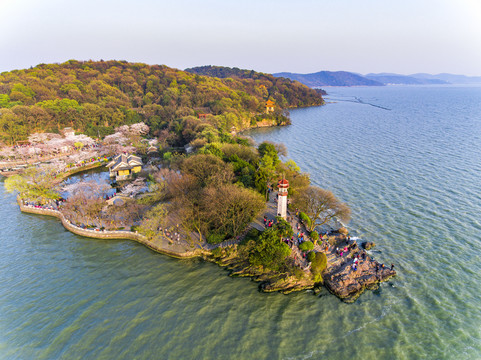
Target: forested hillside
point(285, 92)
point(95, 97)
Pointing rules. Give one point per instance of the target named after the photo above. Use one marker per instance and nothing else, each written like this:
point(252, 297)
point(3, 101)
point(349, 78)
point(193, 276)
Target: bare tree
point(208, 169)
point(320, 206)
point(229, 208)
point(80, 208)
point(85, 201)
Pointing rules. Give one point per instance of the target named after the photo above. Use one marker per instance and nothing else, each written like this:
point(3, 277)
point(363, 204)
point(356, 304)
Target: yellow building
point(123, 166)
point(270, 106)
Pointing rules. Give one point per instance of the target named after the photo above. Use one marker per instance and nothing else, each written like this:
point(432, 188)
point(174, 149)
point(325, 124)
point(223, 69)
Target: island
point(185, 182)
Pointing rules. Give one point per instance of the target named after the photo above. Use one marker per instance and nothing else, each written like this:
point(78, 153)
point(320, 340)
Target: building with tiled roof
point(270, 105)
point(123, 166)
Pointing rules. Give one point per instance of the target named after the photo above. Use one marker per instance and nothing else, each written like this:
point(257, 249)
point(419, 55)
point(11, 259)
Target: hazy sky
point(303, 36)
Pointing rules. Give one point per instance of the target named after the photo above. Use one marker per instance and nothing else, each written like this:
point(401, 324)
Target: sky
point(303, 36)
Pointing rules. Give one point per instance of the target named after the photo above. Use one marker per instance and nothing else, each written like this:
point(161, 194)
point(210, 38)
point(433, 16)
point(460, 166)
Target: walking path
point(270, 213)
point(157, 246)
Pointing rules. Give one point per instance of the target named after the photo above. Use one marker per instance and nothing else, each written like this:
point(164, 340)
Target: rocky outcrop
point(343, 231)
point(340, 278)
point(368, 245)
point(348, 284)
point(269, 281)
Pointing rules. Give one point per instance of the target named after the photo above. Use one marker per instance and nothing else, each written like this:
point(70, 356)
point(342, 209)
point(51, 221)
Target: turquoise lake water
point(408, 162)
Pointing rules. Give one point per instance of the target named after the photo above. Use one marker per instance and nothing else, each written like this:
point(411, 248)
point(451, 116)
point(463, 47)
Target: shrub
point(319, 263)
point(298, 273)
point(305, 219)
point(283, 228)
point(167, 156)
point(217, 252)
point(253, 234)
point(311, 256)
point(314, 235)
point(306, 246)
point(215, 238)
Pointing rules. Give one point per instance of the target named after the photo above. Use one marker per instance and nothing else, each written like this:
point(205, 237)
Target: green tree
point(291, 165)
point(12, 127)
point(283, 228)
point(265, 175)
point(269, 251)
point(318, 265)
point(269, 149)
point(35, 184)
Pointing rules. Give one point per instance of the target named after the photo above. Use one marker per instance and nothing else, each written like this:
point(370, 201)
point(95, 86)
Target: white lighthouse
point(283, 185)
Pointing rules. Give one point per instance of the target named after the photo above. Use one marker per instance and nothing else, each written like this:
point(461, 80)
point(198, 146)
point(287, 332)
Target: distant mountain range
point(344, 78)
point(330, 78)
point(396, 79)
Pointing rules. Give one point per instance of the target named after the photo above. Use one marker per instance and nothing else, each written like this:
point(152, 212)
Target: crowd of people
point(51, 205)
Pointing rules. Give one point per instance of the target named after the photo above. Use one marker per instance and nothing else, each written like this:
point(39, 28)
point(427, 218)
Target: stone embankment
point(119, 234)
point(340, 277)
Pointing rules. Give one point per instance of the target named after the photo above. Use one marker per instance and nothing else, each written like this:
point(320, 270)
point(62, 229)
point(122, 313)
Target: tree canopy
point(34, 184)
point(94, 97)
point(270, 251)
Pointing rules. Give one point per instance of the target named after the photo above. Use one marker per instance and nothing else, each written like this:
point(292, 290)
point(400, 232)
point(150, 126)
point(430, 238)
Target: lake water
point(408, 162)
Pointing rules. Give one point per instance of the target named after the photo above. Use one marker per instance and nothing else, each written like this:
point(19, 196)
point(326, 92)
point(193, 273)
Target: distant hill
point(396, 79)
point(330, 78)
point(344, 78)
point(450, 78)
point(223, 72)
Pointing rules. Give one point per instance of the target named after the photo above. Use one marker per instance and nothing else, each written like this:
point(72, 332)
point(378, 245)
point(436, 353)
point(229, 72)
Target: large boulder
point(343, 231)
point(368, 245)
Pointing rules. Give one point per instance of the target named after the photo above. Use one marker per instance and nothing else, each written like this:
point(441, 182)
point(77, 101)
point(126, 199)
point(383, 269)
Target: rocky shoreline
point(339, 278)
point(348, 284)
